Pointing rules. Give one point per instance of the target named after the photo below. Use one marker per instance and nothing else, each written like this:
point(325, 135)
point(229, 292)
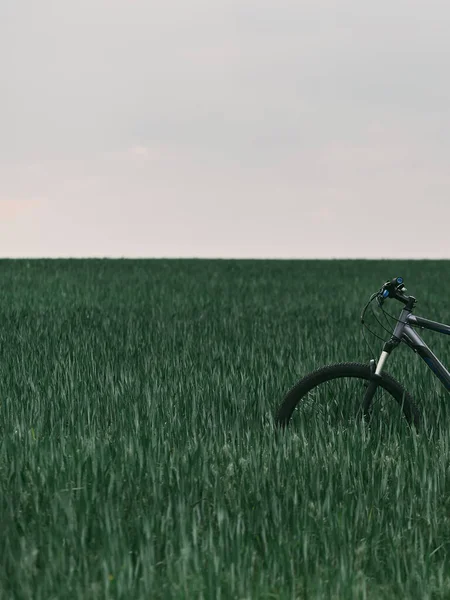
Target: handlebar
point(395, 289)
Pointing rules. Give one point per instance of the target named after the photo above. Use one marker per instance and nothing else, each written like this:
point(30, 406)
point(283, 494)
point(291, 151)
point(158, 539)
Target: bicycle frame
point(404, 332)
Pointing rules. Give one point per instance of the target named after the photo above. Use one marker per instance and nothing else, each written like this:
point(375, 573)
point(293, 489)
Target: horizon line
point(215, 258)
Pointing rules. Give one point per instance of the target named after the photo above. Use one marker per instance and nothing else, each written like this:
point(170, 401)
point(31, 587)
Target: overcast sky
point(225, 128)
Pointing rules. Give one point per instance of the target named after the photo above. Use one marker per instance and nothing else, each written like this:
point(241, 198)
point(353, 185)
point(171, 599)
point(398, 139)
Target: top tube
point(416, 321)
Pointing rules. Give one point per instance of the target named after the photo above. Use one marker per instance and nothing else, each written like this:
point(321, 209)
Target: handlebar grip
point(393, 288)
point(396, 281)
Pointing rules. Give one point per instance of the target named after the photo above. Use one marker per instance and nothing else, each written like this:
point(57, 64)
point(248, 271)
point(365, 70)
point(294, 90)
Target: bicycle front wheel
point(335, 393)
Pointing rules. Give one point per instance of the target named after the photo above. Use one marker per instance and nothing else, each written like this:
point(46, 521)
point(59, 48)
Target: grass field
point(138, 458)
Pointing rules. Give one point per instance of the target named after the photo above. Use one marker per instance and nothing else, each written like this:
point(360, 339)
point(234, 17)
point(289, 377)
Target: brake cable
point(385, 313)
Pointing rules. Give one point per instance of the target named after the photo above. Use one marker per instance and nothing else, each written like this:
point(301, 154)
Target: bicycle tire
point(340, 370)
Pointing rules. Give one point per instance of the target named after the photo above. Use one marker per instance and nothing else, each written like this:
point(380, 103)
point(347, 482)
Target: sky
point(225, 128)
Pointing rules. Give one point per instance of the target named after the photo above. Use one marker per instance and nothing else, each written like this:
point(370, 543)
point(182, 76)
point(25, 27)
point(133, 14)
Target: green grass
point(138, 458)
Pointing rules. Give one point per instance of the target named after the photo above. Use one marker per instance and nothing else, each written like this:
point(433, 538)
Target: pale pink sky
point(225, 128)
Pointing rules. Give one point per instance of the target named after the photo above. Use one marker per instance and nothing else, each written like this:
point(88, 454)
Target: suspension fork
point(375, 372)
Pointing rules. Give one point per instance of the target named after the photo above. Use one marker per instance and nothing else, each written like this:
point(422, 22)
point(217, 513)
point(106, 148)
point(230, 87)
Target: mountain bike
point(366, 390)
